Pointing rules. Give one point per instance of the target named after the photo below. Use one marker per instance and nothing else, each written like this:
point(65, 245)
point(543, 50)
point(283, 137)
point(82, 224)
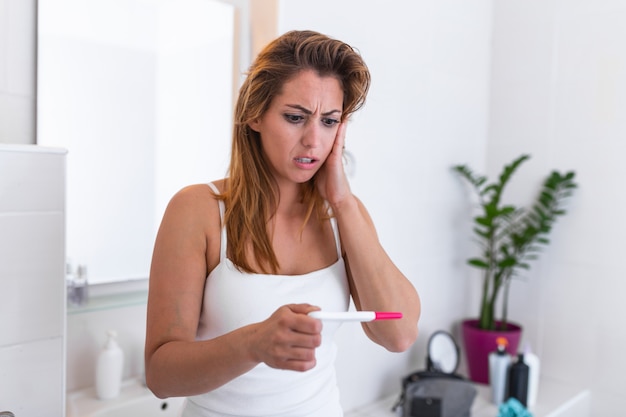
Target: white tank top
point(233, 299)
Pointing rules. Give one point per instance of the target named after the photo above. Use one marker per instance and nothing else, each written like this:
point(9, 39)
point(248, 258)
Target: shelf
point(110, 301)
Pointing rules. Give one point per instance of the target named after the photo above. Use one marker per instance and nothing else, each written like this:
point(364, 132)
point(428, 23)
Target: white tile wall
point(20, 50)
point(86, 334)
point(18, 71)
point(31, 248)
point(4, 13)
point(559, 93)
point(31, 378)
point(32, 280)
point(46, 193)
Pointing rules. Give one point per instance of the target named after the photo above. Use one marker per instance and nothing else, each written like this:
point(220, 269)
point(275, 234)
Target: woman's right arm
point(186, 249)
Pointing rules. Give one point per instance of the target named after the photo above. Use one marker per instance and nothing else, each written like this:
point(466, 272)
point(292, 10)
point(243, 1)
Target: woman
point(228, 305)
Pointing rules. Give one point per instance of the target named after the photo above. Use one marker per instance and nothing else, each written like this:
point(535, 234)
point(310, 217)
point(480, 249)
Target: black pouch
point(437, 391)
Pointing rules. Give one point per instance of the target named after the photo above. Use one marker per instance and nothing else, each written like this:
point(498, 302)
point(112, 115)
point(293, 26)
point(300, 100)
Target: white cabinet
point(32, 280)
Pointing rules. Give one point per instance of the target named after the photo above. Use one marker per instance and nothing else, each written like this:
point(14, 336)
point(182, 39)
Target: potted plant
point(509, 238)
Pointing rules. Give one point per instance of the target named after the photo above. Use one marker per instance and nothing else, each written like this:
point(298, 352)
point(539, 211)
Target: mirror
point(443, 353)
point(140, 93)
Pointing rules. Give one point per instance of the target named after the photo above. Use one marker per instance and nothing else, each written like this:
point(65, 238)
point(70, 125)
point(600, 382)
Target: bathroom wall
point(32, 258)
point(86, 334)
point(559, 93)
point(17, 70)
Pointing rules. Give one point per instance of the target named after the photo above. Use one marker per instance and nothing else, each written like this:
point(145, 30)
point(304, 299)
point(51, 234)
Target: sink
point(143, 407)
point(134, 400)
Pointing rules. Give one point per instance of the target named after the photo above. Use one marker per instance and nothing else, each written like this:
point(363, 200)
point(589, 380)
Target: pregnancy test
point(355, 315)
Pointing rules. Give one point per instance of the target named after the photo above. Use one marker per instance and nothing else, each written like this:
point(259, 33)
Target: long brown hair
point(251, 193)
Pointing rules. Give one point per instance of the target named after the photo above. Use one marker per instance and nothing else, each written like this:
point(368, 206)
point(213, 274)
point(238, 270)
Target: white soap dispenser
point(109, 368)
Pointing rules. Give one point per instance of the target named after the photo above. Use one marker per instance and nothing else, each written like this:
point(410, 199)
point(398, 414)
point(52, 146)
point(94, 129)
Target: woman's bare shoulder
point(196, 202)
point(197, 194)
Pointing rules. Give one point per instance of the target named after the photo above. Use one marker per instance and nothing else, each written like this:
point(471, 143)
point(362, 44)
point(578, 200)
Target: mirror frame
point(431, 362)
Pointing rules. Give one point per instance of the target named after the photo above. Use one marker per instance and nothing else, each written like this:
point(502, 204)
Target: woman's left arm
point(375, 281)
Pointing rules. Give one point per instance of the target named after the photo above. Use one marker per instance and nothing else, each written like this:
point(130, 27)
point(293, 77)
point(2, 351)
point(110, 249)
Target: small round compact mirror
point(443, 353)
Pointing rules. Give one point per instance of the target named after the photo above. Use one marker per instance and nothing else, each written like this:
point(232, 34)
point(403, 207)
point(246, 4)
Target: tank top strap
point(223, 229)
point(333, 223)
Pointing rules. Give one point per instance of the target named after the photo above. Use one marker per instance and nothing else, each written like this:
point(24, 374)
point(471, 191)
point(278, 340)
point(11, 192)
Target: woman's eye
point(330, 122)
point(294, 118)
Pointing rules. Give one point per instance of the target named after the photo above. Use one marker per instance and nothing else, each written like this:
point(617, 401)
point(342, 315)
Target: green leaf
point(483, 221)
point(478, 263)
point(507, 263)
point(547, 196)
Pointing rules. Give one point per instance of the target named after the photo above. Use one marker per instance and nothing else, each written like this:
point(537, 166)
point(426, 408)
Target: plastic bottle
point(69, 282)
point(109, 368)
point(533, 376)
point(499, 362)
point(81, 285)
point(518, 380)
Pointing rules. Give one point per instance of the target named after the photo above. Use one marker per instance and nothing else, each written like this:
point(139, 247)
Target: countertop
point(555, 399)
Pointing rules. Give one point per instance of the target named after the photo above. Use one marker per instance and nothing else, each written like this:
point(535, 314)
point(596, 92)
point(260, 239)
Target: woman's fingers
point(288, 339)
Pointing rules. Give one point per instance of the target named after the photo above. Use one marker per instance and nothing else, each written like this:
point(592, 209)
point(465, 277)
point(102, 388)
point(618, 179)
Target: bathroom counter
point(134, 400)
point(555, 399)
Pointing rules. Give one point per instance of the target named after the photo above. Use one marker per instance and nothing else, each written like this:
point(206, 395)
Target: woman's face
point(299, 128)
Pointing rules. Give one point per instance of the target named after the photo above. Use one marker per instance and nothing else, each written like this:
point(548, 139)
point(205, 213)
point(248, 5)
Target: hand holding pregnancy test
point(355, 315)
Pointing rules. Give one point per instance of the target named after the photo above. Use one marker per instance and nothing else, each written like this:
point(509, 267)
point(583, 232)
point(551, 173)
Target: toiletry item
point(109, 368)
point(533, 363)
point(69, 282)
point(518, 380)
point(81, 285)
point(499, 362)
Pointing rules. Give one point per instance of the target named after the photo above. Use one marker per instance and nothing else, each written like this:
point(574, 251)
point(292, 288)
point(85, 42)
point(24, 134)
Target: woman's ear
point(254, 125)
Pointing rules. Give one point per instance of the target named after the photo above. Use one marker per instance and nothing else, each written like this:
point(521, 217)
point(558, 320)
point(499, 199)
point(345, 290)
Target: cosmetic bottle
point(518, 380)
point(533, 376)
point(81, 286)
point(109, 368)
point(69, 282)
point(499, 362)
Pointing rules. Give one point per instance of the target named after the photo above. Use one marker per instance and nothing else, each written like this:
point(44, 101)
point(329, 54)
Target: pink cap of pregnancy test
point(387, 315)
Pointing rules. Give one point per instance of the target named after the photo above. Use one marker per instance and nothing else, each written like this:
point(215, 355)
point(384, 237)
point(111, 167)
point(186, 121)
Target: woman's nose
point(311, 137)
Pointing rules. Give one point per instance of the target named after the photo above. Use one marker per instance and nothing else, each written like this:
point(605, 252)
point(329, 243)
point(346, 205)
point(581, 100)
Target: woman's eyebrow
point(307, 111)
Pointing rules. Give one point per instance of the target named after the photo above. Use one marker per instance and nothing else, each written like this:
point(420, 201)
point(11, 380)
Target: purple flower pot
point(478, 343)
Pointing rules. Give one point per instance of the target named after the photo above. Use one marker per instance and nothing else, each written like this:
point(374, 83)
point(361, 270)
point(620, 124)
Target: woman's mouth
point(304, 162)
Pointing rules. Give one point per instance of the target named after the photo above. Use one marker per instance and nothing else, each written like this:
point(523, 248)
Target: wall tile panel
point(29, 379)
point(31, 272)
point(26, 180)
point(20, 50)
point(4, 17)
